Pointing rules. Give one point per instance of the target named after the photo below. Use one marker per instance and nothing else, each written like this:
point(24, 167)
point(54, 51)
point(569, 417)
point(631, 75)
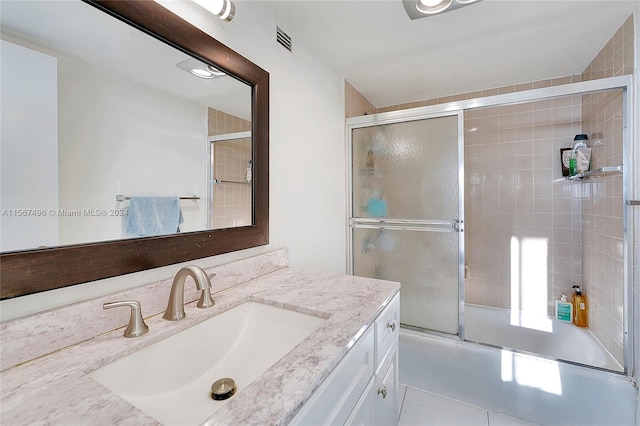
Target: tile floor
point(420, 408)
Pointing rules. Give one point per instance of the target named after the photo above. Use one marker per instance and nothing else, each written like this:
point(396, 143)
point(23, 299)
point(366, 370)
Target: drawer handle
point(392, 326)
point(382, 391)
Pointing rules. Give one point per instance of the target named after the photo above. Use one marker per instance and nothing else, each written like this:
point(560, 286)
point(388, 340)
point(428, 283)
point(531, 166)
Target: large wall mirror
point(130, 140)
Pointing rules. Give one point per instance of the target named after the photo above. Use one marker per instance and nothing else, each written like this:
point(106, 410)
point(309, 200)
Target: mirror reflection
point(103, 143)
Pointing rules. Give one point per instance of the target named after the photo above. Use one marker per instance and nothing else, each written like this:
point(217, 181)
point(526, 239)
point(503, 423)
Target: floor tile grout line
point(407, 404)
point(407, 387)
point(404, 395)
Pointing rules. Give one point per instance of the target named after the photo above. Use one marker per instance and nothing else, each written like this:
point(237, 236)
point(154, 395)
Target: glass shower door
point(406, 215)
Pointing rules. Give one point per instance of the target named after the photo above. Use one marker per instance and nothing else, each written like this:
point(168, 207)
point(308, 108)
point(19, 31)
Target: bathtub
point(535, 389)
point(535, 334)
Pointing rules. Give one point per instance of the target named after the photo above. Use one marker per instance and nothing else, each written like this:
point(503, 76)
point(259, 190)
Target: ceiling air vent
point(283, 38)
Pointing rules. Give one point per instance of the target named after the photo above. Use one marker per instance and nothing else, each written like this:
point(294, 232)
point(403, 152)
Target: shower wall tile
point(602, 203)
point(474, 292)
point(355, 104)
point(231, 202)
point(220, 123)
point(511, 201)
point(512, 109)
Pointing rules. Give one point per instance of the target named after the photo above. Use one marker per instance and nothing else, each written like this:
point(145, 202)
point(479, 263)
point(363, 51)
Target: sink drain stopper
point(223, 389)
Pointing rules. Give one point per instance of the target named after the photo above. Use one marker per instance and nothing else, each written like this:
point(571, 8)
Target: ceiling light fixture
point(223, 9)
point(433, 6)
point(417, 9)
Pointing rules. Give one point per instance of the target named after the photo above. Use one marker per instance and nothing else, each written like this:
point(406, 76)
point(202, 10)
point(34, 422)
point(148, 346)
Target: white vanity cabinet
point(363, 388)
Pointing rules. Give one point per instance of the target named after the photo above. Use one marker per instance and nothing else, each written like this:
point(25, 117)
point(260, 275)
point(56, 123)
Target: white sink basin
point(171, 379)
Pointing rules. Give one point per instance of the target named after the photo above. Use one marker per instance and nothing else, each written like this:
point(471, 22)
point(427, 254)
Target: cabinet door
point(364, 413)
point(387, 392)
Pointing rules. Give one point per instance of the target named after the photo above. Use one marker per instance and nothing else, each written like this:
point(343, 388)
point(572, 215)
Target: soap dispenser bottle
point(564, 309)
point(580, 307)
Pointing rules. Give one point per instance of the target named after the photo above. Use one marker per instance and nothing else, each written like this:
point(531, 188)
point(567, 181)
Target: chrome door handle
point(382, 391)
point(392, 326)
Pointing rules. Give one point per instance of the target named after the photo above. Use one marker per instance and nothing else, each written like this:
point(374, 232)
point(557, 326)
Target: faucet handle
point(137, 326)
point(206, 301)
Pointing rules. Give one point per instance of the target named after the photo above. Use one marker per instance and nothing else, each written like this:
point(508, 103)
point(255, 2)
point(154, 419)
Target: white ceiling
point(391, 59)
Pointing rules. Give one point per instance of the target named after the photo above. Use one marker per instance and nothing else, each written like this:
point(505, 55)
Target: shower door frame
point(398, 118)
point(402, 118)
point(211, 164)
point(624, 83)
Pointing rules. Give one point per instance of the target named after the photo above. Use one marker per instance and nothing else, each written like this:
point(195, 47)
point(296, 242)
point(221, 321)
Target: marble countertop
point(56, 388)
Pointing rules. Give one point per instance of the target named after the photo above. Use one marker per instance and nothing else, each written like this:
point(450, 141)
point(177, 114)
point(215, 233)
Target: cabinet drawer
point(387, 328)
point(336, 397)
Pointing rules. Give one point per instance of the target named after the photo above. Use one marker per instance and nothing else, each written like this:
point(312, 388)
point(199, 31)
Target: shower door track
point(624, 83)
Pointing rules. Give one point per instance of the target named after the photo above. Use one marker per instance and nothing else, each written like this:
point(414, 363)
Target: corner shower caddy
point(598, 171)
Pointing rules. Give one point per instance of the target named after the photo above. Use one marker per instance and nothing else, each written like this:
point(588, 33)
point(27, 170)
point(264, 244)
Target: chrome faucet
point(175, 308)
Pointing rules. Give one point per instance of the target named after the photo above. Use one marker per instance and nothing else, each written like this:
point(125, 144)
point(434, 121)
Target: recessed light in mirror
point(215, 71)
point(199, 72)
point(200, 69)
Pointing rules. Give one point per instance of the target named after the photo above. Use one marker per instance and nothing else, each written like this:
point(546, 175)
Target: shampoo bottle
point(564, 309)
point(580, 307)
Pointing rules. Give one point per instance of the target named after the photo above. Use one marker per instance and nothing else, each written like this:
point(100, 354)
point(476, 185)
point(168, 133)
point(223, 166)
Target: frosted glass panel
point(425, 264)
point(406, 170)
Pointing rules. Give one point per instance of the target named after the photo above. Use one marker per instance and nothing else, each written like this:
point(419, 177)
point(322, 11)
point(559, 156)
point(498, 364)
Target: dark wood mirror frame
point(33, 271)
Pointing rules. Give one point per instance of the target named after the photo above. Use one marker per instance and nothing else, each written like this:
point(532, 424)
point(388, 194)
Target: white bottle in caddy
point(564, 309)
